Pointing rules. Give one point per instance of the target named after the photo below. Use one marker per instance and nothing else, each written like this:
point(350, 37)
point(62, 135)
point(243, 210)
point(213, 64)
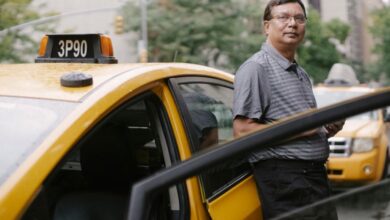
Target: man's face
point(287, 26)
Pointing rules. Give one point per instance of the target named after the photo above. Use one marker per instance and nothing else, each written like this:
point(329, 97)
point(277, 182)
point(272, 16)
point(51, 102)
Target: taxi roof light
point(341, 75)
point(76, 48)
point(43, 45)
point(106, 46)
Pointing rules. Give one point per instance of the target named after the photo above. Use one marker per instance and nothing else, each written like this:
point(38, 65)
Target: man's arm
point(243, 125)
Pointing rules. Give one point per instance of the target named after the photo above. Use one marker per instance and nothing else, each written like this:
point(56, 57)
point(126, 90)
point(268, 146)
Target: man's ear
point(266, 27)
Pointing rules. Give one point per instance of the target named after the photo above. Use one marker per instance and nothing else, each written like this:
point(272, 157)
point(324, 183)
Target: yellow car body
point(83, 108)
point(359, 152)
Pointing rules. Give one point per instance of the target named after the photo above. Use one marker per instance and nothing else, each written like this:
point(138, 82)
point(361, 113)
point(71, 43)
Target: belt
point(290, 163)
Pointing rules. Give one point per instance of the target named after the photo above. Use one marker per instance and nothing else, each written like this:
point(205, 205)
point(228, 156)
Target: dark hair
point(267, 12)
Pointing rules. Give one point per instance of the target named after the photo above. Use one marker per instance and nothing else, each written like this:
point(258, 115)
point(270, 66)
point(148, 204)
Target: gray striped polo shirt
point(267, 87)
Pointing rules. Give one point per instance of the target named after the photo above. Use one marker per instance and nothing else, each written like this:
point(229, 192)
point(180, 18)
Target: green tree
point(221, 33)
point(381, 31)
point(337, 29)
point(15, 45)
point(224, 33)
point(317, 54)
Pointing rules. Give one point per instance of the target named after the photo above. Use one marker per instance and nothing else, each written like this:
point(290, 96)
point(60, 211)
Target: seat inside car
point(109, 168)
point(94, 179)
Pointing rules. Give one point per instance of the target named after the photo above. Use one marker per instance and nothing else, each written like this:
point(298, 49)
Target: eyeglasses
point(300, 19)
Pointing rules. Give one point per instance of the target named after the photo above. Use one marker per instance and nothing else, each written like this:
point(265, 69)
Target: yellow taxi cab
point(359, 153)
point(77, 130)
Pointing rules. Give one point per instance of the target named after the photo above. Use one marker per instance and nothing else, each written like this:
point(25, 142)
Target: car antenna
point(174, 56)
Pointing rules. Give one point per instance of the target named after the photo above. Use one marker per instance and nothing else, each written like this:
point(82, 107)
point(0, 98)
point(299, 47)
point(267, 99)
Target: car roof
point(361, 88)
point(43, 80)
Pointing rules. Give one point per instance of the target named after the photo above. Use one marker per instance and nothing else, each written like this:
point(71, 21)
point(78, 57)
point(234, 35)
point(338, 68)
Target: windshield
point(24, 124)
point(326, 97)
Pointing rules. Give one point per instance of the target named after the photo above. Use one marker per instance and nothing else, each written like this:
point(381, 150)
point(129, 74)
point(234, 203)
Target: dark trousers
point(285, 185)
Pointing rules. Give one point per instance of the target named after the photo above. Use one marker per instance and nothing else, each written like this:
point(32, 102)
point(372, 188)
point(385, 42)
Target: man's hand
point(333, 128)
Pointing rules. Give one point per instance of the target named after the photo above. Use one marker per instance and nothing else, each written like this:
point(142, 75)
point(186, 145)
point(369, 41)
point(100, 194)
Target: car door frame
point(173, 84)
point(277, 132)
point(238, 186)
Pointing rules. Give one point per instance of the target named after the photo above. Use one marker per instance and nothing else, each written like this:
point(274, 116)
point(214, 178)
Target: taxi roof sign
point(76, 48)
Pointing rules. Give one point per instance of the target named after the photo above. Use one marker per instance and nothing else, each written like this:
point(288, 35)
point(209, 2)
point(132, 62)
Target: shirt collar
point(281, 60)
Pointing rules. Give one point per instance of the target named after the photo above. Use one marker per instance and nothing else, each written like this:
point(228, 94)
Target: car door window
point(207, 109)
point(210, 110)
point(94, 180)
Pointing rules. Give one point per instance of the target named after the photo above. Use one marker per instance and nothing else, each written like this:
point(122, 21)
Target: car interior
point(94, 180)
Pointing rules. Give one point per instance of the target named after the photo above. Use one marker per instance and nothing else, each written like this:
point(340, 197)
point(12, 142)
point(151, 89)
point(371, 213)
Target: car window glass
point(210, 109)
point(95, 178)
point(325, 98)
point(32, 120)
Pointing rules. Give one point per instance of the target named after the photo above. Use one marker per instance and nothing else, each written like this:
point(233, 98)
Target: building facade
point(356, 13)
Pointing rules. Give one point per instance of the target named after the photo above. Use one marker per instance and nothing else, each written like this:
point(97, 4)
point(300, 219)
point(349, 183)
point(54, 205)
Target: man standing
point(270, 86)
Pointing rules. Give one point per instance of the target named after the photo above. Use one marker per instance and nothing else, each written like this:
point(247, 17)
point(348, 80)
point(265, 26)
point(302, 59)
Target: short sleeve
point(251, 93)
